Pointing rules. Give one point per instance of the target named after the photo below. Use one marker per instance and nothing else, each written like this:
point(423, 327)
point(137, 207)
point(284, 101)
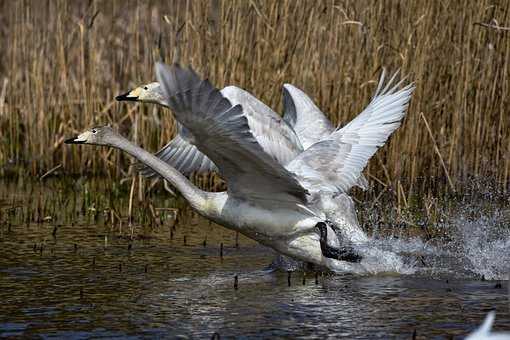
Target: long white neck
point(196, 197)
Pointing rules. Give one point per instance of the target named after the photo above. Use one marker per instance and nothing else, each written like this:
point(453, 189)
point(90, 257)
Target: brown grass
point(63, 62)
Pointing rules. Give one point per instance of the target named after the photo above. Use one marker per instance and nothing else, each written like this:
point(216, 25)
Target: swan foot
point(342, 254)
point(347, 253)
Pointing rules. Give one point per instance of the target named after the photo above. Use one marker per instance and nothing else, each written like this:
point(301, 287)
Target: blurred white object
point(484, 331)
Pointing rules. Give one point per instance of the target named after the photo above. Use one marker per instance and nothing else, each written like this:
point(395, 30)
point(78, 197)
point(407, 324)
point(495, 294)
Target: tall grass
point(63, 62)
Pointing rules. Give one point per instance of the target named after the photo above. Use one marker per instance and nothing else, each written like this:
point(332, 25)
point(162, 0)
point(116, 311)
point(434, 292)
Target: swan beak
point(126, 97)
point(74, 140)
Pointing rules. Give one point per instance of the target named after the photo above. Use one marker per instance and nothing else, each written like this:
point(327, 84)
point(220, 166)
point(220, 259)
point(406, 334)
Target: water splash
point(470, 238)
point(484, 243)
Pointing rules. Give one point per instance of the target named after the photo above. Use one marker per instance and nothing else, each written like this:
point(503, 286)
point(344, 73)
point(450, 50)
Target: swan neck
point(196, 197)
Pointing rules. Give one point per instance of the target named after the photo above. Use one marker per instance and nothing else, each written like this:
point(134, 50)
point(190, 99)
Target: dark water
point(88, 278)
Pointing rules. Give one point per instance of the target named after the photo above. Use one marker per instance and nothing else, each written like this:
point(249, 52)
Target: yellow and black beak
point(126, 97)
point(74, 140)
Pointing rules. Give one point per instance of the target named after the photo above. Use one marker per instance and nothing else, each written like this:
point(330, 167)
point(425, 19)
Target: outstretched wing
point(273, 134)
point(335, 164)
point(308, 121)
point(182, 155)
point(300, 112)
point(221, 132)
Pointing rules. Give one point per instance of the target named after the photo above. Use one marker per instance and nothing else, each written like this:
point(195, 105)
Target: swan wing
point(309, 122)
point(300, 112)
point(335, 163)
point(221, 131)
point(181, 154)
point(273, 134)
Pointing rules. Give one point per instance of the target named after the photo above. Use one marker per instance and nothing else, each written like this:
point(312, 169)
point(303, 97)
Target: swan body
point(277, 205)
point(288, 229)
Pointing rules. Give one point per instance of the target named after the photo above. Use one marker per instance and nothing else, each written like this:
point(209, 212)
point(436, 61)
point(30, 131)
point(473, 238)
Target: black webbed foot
point(343, 254)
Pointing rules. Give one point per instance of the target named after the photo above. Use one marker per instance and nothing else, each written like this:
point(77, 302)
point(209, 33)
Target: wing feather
point(221, 132)
point(182, 155)
point(273, 134)
point(300, 112)
point(336, 163)
point(309, 122)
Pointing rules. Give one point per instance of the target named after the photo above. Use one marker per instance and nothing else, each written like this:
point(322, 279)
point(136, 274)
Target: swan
point(273, 134)
point(484, 331)
point(279, 138)
point(221, 208)
point(283, 207)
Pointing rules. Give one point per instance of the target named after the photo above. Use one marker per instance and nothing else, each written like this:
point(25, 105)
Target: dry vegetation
point(63, 62)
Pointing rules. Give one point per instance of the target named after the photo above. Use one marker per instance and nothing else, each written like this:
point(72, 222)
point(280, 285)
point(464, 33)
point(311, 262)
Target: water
point(75, 275)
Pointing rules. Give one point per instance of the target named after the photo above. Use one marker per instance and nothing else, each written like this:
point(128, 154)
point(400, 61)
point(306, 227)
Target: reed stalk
point(63, 62)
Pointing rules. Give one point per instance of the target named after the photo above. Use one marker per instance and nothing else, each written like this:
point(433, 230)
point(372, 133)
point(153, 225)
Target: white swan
point(286, 208)
point(484, 331)
point(303, 124)
point(273, 134)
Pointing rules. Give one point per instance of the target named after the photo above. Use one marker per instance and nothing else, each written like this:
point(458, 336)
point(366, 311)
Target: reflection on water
point(78, 274)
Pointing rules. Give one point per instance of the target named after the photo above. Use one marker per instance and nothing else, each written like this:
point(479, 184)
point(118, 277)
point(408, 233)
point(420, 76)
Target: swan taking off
point(273, 134)
point(287, 208)
point(303, 124)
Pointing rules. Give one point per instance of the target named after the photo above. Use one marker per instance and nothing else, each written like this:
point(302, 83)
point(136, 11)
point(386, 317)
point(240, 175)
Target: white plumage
point(278, 205)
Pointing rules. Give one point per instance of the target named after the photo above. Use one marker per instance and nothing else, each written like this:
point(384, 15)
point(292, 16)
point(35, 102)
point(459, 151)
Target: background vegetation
point(63, 62)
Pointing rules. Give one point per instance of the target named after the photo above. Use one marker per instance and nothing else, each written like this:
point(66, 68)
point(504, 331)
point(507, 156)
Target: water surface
point(67, 271)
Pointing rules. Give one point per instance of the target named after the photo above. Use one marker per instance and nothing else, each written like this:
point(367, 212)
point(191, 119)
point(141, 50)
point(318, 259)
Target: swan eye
point(94, 131)
point(145, 88)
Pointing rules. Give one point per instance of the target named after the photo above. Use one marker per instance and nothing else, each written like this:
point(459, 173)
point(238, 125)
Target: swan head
point(148, 93)
point(101, 135)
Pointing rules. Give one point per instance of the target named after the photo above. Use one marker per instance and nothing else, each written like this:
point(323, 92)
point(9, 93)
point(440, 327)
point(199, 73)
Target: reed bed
point(63, 62)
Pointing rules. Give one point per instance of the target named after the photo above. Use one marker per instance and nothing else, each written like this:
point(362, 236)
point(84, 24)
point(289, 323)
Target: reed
point(63, 62)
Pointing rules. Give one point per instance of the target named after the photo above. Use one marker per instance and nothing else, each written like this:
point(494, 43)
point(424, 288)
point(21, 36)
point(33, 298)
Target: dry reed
point(63, 62)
